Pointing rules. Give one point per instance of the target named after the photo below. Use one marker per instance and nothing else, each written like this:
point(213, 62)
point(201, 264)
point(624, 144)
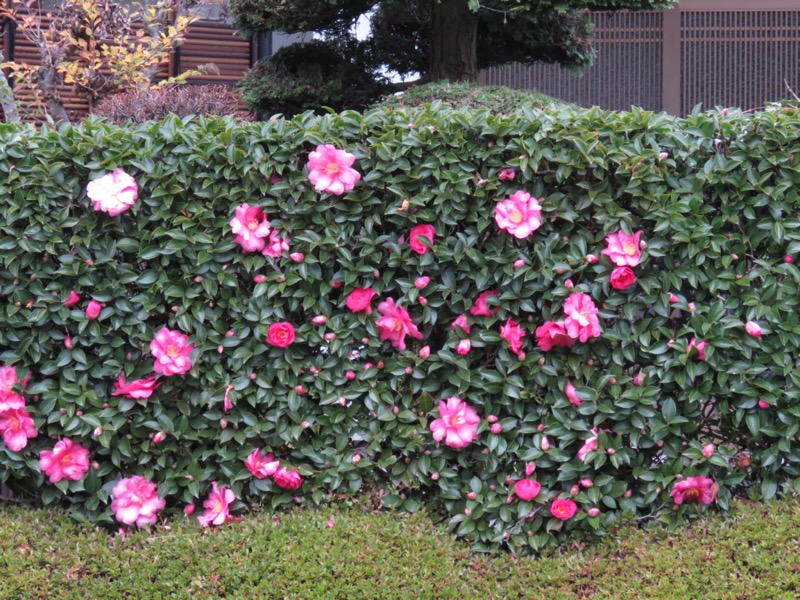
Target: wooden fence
point(709, 52)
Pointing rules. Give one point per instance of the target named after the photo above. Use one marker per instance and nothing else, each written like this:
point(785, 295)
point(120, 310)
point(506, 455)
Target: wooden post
point(671, 61)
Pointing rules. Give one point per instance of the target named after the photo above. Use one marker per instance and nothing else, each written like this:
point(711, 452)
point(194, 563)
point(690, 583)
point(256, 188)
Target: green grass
point(751, 552)
point(496, 99)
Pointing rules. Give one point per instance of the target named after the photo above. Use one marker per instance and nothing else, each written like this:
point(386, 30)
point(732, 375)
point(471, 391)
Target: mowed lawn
point(751, 552)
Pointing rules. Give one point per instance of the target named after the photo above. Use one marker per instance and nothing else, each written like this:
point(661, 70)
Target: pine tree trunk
point(7, 102)
point(47, 81)
point(454, 37)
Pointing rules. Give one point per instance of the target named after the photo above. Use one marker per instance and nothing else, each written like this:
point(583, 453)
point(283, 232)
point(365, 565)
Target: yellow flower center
point(252, 224)
point(692, 495)
point(629, 248)
point(457, 420)
point(332, 168)
point(515, 216)
point(172, 351)
point(398, 326)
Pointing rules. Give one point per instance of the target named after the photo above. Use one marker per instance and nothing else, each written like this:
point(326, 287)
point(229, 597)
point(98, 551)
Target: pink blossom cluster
point(266, 465)
point(16, 424)
point(580, 323)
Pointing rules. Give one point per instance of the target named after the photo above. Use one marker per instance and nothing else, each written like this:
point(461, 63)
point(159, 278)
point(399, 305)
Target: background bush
point(718, 215)
point(463, 95)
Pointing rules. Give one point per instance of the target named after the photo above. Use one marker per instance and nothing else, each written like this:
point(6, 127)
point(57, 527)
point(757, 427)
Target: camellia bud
point(220, 349)
point(627, 493)
point(587, 483)
point(788, 259)
point(223, 423)
point(198, 279)
point(319, 320)
point(367, 366)
point(356, 459)
point(260, 278)
point(329, 337)
point(230, 333)
point(409, 370)
point(472, 495)
point(95, 465)
point(422, 282)
point(491, 419)
point(380, 364)
point(497, 428)
point(305, 424)
point(299, 389)
point(642, 244)
point(545, 443)
point(350, 375)
point(253, 376)
point(342, 400)
point(159, 437)
point(592, 259)
point(425, 352)
point(98, 431)
point(763, 404)
point(540, 427)
point(188, 510)
point(435, 476)
point(336, 284)
point(519, 263)
point(68, 343)
point(423, 301)
point(297, 257)
point(541, 361)
point(593, 512)
point(611, 451)
point(663, 155)
point(574, 490)
point(568, 284)
point(692, 306)
point(280, 279)
point(708, 450)
point(464, 347)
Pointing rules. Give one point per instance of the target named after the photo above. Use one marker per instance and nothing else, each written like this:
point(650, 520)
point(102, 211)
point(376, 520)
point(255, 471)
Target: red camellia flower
point(527, 489)
point(697, 349)
point(481, 306)
point(359, 300)
point(73, 299)
point(563, 509)
point(622, 277)
point(416, 243)
point(694, 489)
point(140, 388)
point(290, 480)
point(280, 334)
point(93, 310)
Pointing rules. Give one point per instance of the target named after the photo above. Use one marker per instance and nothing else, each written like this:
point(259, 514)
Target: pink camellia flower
point(563, 509)
point(395, 324)
point(217, 506)
point(67, 460)
point(623, 249)
point(416, 243)
point(520, 214)
point(708, 450)
point(11, 401)
point(551, 334)
point(527, 489)
point(275, 245)
point(8, 379)
point(588, 446)
point(763, 404)
point(425, 352)
point(261, 465)
point(17, 428)
point(73, 299)
point(593, 512)
point(139, 388)
point(113, 193)
point(227, 405)
point(506, 175)
point(93, 310)
point(422, 282)
point(753, 329)
point(457, 424)
point(572, 394)
point(280, 334)
point(330, 170)
point(463, 347)
point(481, 306)
point(250, 226)
point(592, 259)
point(697, 349)
point(289, 480)
point(172, 351)
point(461, 321)
point(581, 320)
point(514, 335)
point(360, 299)
point(622, 277)
point(136, 501)
point(694, 489)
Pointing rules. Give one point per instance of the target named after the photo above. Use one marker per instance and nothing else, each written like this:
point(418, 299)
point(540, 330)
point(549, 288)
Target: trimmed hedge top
point(616, 421)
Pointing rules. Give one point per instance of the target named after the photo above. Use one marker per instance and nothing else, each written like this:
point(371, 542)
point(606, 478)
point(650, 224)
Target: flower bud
point(627, 493)
point(329, 337)
point(530, 468)
point(258, 279)
point(350, 375)
point(464, 347)
point(98, 431)
point(230, 333)
point(299, 389)
point(568, 284)
point(611, 451)
point(692, 306)
point(319, 320)
point(336, 284)
point(435, 476)
point(159, 437)
point(188, 510)
point(472, 495)
point(497, 428)
point(356, 459)
point(708, 450)
point(425, 352)
point(545, 443)
point(491, 419)
point(593, 512)
point(198, 279)
point(367, 366)
point(253, 376)
point(68, 343)
point(788, 259)
point(220, 349)
point(380, 364)
point(592, 259)
point(280, 279)
point(519, 263)
point(724, 112)
point(422, 282)
point(331, 523)
point(540, 427)
point(223, 423)
point(93, 310)
point(305, 424)
point(574, 490)
point(297, 257)
point(663, 155)
point(423, 301)
point(763, 404)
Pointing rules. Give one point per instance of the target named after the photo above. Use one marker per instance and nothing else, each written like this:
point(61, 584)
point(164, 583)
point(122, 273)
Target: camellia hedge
point(532, 324)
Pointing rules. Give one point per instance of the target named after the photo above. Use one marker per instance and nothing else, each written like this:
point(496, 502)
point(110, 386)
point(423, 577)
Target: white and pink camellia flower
point(551, 334)
point(329, 170)
point(113, 193)
point(136, 501)
point(694, 489)
point(137, 389)
point(396, 324)
point(520, 214)
point(67, 460)
point(581, 322)
point(217, 506)
point(514, 335)
point(457, 425)
point(275, 245)
point(251, 228)
point(261, 465)
point(17, 428)
point(588, 446)
point(623, 249)
point(172, 351)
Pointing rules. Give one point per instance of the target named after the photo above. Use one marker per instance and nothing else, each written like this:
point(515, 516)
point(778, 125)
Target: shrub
point(714, 197)
point(138, 106)
point(310, 76)
point(462, 96)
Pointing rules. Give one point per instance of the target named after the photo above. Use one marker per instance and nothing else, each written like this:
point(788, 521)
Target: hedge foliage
point(718, 214)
